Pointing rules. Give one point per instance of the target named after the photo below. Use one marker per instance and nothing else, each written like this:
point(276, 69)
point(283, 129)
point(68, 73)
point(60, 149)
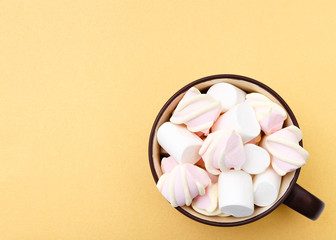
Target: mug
point(290, 194)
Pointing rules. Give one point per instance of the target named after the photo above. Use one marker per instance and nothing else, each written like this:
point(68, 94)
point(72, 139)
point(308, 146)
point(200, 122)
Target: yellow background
point(82, 81)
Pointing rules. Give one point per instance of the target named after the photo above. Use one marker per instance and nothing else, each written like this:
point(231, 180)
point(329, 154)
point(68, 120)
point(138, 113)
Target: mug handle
point(304, 202)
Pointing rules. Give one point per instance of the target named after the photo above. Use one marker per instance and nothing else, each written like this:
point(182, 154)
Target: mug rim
point(205, 79)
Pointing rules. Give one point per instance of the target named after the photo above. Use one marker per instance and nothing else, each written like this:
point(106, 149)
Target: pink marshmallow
point(208, 203)
point(270, 115)
point(197, 111)
point(209, 200)
point(223, 150)
point(183, 183)
point(286, 153)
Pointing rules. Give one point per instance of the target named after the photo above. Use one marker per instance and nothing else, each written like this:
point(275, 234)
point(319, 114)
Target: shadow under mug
point(291, 194)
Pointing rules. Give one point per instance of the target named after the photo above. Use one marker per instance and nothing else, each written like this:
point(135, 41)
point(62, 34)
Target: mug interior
point(156, 152)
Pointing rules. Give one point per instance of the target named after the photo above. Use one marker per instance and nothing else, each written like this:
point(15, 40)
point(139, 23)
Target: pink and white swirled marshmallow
point(196, 110)
point(270, 115)
point(286, 153)
point(183, 183)
point(169, 163)
point(223, 150)
point(208, 203)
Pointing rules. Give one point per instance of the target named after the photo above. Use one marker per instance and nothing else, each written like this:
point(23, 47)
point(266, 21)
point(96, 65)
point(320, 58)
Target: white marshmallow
point(266, 187)
point(240, 118)
point(235, 193)
point(257, 159)
point(181, 144)
point(227, 94)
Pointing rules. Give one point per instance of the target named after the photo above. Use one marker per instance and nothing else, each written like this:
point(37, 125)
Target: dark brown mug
point(291, 194)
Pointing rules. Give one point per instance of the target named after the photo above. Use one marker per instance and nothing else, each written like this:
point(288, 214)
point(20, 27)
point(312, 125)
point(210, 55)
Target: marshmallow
point(286, 153)
point(257, 159)
point(270, 115)
point(235, 193)
point(222, 150)
point(208, 203)
point(266, 187)
point(168, 164)
point(197, 111)
point(181, 144)
point(183, 183)
point(240, 118)
point(227, 94)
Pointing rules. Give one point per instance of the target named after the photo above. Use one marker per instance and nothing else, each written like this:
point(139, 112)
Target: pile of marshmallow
point(226, 151)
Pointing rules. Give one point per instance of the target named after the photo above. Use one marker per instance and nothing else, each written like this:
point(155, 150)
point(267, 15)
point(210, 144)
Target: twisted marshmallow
point(208, 203)
point(183, 184)
point(270, 115)
point(286, 153)
point(223, 150)
point(198, 111)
